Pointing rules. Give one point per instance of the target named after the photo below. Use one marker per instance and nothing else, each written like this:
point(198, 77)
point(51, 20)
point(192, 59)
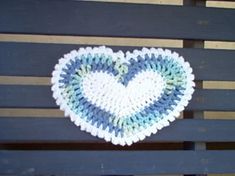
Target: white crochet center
point(104, 91)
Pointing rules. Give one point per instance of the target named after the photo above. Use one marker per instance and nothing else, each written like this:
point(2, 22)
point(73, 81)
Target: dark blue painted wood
point(28, 59)
point(112, 19)
point(116, 162)
point(63, 130)
point(12, 96)
point(116, 19)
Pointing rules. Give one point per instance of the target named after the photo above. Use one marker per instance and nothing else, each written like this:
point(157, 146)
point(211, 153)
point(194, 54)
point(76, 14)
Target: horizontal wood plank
point(30, 96)
point(92, 40)
point(28, 129)
point(116, 19)
point(28, 59)
point(116, 162)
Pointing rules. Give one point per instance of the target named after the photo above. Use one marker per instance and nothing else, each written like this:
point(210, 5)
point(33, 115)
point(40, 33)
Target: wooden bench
point(55, 146)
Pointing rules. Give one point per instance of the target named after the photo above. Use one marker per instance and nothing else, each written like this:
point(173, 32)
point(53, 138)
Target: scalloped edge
point(99, 132)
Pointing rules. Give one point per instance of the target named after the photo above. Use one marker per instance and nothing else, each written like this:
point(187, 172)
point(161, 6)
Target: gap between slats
point(87, 40)
point(28, 80)
point(114, 41)
point(108, 146)
point(210, 3)
point(31, 112)
point(98, 145)
point(220, 4)
point(160, 2)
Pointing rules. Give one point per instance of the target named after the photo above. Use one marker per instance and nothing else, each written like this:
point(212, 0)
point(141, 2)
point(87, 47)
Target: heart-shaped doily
point(122, 97)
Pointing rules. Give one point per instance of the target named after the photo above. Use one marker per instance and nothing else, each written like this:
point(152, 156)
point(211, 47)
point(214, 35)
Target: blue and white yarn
point(122, 97)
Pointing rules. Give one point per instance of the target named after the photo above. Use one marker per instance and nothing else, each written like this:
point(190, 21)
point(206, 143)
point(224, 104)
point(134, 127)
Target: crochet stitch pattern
point(119, 97)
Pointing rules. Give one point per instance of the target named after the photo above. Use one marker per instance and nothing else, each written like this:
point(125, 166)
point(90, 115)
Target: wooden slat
point(24, 80)
point(28, 129)
point(31, 112)
point(14, 96)
point(221, 4)
point(116, 19)
point(167, 2)
point(219, 115)
point(92, 40)
point(219, 85)
point(28, 59)
point(116, 162)
point(220, 44)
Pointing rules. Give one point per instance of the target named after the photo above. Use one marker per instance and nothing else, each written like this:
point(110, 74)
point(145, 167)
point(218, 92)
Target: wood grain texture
point(34, 57)
point(219, 115)
point(221, 4)
point(53, 129)
point(219, 84)
point(116, 162)
point(31, 112)
point(220, 45)
point(116, 19)
point(167, 2)
point(24, 80)
point(92, 40)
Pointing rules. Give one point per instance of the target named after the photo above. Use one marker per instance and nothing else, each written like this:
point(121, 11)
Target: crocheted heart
point(122, 97)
